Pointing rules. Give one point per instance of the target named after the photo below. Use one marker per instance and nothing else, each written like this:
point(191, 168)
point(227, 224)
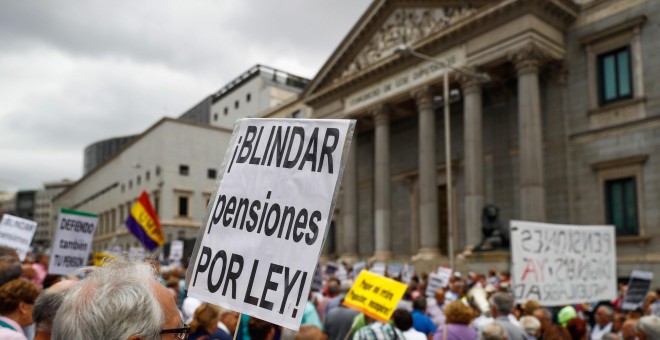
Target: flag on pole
point(143, 223)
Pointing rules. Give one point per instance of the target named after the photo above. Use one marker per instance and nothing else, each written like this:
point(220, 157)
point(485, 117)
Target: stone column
point(350, 205)
point(382, 183)
point(428, 188)
point(532, 188)
point(474, 164)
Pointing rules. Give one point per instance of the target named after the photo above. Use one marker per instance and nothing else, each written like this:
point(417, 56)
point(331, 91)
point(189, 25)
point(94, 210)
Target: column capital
point(469, 83)
point(423, 98)
point(528, 58)
point(380, 114)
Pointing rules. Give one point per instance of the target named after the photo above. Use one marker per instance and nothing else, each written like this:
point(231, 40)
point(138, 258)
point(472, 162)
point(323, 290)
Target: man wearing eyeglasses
point(120, 301)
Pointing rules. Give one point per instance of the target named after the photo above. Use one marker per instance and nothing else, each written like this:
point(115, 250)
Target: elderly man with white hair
point(122, 300)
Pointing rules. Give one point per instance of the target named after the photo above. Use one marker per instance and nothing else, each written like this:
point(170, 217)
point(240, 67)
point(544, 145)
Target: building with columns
point(565, 130)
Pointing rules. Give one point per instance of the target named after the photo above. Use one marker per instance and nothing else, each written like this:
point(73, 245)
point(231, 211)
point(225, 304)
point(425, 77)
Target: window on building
point(147, 176)
point(614, 75)
point(123, 188)
point(211, 173)
point(215, 117)
point(183, 206)
point(296, 114)
point(156, 202)
point(139, 180)
point(248, 97)
point(184, 170)
point(130, 184)
point(225, 111)
point(236, 104)
point(157, 170)
point(621, 205)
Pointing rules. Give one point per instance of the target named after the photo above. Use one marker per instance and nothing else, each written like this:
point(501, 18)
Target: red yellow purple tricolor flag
point(143, 222)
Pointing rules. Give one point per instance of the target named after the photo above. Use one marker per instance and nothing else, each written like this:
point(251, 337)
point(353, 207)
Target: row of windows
point(237, 104)
point(138, 179)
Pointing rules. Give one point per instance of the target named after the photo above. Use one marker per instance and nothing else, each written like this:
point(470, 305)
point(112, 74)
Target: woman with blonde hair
point(16, 301)
point(205, 322)
point(457, 320)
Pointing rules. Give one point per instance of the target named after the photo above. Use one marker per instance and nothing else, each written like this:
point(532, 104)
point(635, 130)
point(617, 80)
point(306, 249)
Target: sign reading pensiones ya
point(269, 216)
point(17, 233)
point(73, 241)
point(562, 264)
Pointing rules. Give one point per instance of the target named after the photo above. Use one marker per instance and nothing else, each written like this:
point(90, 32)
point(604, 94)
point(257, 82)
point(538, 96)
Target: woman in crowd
point(205, 322)
point(16, 301)
point(457, 320)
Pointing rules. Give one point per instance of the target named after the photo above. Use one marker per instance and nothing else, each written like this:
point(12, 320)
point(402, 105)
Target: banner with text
point(562, 264)
point(638, 286)
point(274, 202)
point(374, 295)
point(17, 233)
point(73, 241)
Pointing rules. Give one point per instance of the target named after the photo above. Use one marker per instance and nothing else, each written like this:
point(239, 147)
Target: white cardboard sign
point(561, 265)
point(274, 202)
point(73, 241)
point(176, 250)
point(17, 233)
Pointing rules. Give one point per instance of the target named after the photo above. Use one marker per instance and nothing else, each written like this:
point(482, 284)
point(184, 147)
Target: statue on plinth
point(495, 235)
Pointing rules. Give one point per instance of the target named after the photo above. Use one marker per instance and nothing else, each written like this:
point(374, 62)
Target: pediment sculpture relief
point(406, 26)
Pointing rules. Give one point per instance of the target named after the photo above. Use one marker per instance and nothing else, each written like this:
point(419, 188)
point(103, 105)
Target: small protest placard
point(408, 273)
point(444, 275)
point(561, 265)
point(378, 268)
point(17, 233)
point(341, 273)
point(375, 295)
point(73, 241)
point(638, 285)
point(436, 281)
point(394, 269)
point(258, 249)
point(330, 269)
point(176, 250)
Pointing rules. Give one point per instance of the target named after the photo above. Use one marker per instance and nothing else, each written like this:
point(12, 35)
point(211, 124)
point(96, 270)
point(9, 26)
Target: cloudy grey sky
point(75, 72)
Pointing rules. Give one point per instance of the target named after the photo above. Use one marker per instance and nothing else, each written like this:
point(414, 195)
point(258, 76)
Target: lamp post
point(405, 50)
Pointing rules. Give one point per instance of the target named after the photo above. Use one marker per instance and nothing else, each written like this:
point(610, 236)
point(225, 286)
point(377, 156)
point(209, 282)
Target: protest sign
point(102, 257)
point(270, 214)
point(436, 281)
point(176, 250)
point(562, 264)
point(341, 273)
point(408, 273)
point(317, 282)
point(378, 268)
point(375, 295)
point(73, 241)
point(444, 275)
point(16, 233)
point(638, 285)
point(394, 269)
point(330, 269)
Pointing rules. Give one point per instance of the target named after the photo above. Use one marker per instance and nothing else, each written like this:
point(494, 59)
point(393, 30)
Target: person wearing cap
point(565, 315)
point(648, 328)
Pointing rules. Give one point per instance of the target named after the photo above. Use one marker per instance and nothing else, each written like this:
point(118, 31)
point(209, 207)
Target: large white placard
point(72, 242)
point(17, 233)
point(176, 250)
point(562, 264)
point(269, 217)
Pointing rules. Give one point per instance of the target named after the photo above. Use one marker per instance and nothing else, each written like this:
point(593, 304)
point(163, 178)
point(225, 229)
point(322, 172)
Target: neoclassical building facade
point(553, 117)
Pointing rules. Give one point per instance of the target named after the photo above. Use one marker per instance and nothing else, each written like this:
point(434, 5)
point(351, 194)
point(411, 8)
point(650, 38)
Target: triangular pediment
point(386, 25)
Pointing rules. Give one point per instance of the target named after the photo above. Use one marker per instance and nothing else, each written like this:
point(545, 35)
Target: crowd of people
point(126, 299)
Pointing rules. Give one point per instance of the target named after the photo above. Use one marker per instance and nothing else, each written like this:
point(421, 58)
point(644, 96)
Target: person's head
point(648, 327)
point(492, 331)
point(439, 296)
point(6, 251)
point(46, 306)
point(604, 315)
point(619, 319)
point(230, 319)
point(402, 319)
point(17, 299)
point(260, 329)
point(501, 304)
point(457, 312)
point(629, 329)
point(529, 307)
point(10, 268)
point(577, 328)
point(334, 287)
point(419, 303)
point(610, 336)
point(42, 259)
point(206, 317)
point(310, 332)
point(120, 300)
point(544, 316)
point(530, 324)
point(566, 314)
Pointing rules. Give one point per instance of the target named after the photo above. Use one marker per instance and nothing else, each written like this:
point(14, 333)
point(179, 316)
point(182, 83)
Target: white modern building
point(44, 215)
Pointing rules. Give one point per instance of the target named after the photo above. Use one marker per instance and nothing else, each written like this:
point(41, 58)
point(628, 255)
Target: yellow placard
point(375, 295)
point(101, 257)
